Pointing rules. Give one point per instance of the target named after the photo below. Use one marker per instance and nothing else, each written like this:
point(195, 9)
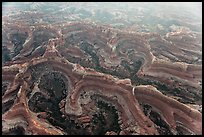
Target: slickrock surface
point(63, 76)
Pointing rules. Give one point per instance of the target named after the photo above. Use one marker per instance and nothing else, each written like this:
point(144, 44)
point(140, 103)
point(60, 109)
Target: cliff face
point(85, 78)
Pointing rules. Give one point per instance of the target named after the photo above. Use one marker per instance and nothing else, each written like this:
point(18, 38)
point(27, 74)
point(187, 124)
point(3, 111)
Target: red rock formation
point(126, 100)
point(80, 78)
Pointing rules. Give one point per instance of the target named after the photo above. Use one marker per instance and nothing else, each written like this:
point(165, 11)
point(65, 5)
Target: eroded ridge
point(70, 70)
point(54, 96)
